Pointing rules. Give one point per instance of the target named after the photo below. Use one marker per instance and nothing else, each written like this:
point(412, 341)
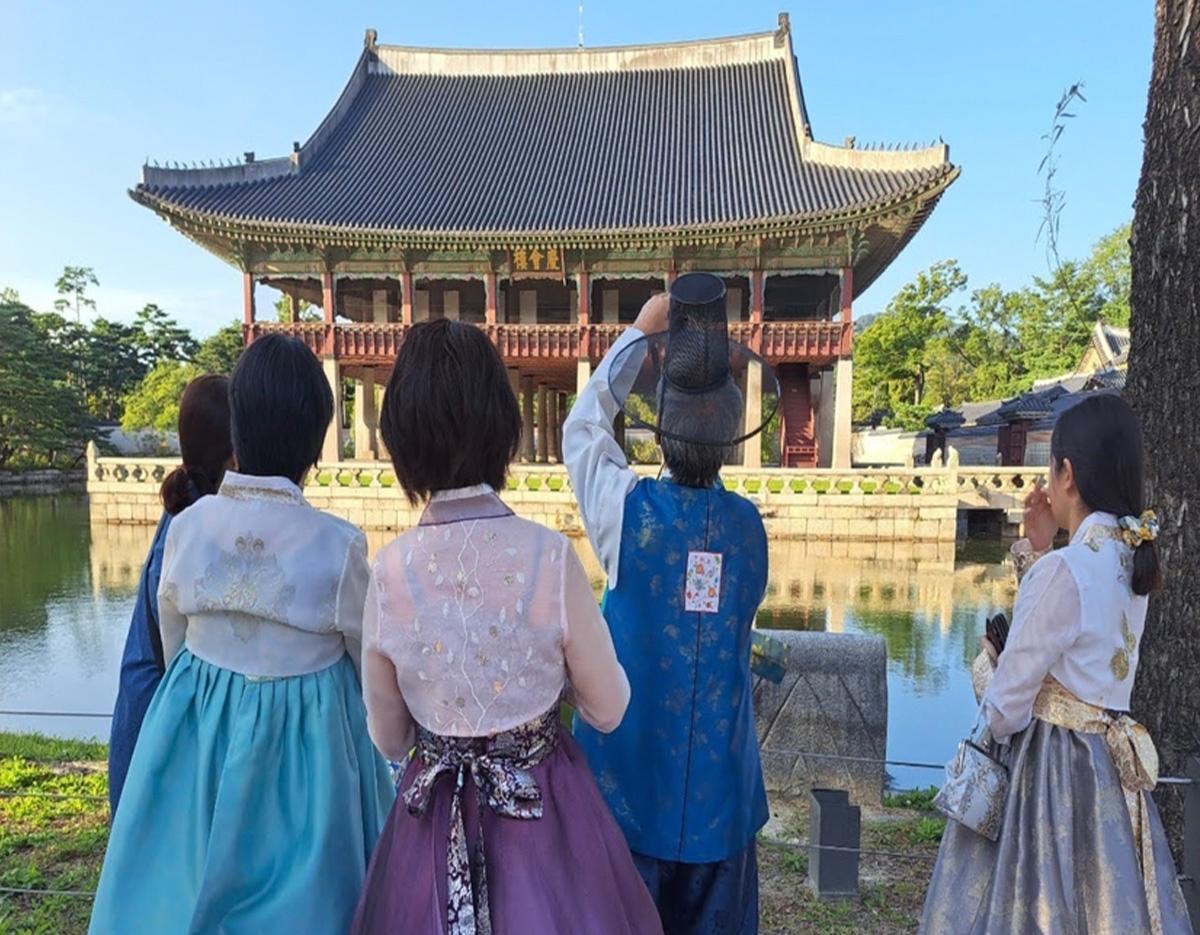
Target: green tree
point(108, 365)
point(220, 351)
point(895, 355)
point(159, 337)
point(1110, 269)
point(42, 418)
point(306, 311)
point(72, 288)
point(154, 404)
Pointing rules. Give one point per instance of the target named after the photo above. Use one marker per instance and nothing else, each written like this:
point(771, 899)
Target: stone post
point(527, 442)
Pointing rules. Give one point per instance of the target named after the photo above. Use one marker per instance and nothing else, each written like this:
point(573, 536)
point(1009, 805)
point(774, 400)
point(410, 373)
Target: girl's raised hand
point(1040, 524)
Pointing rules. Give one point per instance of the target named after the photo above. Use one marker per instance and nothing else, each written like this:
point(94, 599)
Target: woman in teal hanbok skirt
point(254, 796)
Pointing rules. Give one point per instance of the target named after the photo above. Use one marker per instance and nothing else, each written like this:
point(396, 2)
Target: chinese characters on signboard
point(531, 260)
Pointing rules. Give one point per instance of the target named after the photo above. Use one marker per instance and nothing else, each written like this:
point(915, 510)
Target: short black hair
point(450, 418)
point(281, 406)
point(693, 464)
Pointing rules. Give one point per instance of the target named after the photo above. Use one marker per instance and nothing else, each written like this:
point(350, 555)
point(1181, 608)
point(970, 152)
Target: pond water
point(67, 589)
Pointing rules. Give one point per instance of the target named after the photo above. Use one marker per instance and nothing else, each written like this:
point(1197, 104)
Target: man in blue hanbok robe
point(687, 569)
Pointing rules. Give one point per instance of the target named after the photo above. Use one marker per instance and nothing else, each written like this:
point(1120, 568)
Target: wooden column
point(328, 296)
point(247, 299)
point(527, 448)
point(490, 288)
point(758, 284)
point(583, 286)
point(543, 425)
point(294, 307)
point(847, 297)
point(406, 298)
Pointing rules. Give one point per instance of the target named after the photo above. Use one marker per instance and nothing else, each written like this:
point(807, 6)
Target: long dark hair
point(204, 443)
point(1103, 440)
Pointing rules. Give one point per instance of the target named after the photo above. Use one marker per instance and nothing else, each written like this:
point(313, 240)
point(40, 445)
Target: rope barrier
point(22, 891)
point(55, 714)
point(851, 759)
point(869, 852)
point(81, 796)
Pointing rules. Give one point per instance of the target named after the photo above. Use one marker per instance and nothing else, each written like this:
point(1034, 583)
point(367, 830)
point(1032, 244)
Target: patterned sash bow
point(499, 767)
point(1133, 755)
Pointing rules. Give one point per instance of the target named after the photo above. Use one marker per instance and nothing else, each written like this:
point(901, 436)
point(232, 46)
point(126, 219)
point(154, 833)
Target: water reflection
point(67, 590)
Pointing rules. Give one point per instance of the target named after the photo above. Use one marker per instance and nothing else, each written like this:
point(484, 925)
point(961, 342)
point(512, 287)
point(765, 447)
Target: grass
point(891, 889)
point(58, 844)
point(50, 843)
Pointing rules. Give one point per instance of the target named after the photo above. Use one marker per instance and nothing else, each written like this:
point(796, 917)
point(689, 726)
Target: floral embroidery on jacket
point(247, 580)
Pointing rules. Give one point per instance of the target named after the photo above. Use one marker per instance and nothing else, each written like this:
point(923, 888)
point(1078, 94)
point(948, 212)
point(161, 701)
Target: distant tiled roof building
point(544, 194)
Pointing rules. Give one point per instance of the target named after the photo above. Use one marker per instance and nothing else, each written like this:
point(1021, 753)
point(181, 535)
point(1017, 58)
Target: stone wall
point(831, 704)
point(857, 505)
point(40, 483)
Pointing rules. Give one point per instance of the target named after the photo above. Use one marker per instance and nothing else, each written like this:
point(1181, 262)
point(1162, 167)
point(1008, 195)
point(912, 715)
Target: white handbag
point(976, 786)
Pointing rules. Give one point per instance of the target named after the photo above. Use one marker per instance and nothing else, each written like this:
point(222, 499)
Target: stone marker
point(832, 700)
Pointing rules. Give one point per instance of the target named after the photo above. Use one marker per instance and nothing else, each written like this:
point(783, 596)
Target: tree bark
point(1164, 388)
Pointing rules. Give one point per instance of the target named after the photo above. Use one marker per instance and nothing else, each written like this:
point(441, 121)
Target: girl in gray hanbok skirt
point(1081, 848)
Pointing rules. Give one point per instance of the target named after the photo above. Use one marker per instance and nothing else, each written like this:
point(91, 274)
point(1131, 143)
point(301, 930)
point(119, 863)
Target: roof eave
point(925, 197)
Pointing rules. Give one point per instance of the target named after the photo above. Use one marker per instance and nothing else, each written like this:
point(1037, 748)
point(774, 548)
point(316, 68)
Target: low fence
point(41, 483)
point(863, 504)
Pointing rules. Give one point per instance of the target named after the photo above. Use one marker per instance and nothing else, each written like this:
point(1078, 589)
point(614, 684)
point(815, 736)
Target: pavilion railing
point(378, 342)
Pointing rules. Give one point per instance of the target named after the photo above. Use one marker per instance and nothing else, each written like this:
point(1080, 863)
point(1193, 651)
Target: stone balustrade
point(861, 504)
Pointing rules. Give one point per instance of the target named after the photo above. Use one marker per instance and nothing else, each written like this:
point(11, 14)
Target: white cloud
point(24, 106)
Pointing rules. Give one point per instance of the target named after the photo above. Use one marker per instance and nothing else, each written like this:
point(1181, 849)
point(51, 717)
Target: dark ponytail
point(1102, 438)
point(204, 443)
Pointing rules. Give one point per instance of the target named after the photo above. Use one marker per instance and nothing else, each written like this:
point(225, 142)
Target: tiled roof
point(700, 135)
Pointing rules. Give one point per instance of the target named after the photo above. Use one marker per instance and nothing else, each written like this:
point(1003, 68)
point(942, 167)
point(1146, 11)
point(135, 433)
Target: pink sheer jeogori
point(485, 616)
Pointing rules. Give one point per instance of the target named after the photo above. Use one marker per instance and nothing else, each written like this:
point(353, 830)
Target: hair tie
point(1138, 529)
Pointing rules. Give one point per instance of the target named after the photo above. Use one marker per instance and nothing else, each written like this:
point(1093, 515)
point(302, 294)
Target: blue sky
point(89, 90)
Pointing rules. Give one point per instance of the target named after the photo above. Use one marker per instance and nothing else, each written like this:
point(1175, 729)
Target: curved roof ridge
point(697, 53)
point(883, 160)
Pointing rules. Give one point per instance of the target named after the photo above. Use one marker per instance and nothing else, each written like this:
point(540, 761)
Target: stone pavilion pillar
point(527, 449)
point(552, 428)
point(366, 420)
point(752, 447)
point(543, 425)
point(562, 418)
point(331, 453)
point(843, 386)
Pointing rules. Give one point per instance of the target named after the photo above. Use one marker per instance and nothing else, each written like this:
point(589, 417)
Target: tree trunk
point(1164, 387)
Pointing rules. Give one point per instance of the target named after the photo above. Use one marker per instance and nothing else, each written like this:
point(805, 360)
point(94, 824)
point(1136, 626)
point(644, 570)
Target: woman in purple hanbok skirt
point(476, 624)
